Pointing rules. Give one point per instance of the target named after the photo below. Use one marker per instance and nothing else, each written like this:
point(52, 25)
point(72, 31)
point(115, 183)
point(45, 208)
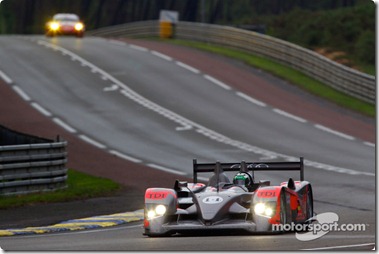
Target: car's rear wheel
point(283, 209)
point(309, 204)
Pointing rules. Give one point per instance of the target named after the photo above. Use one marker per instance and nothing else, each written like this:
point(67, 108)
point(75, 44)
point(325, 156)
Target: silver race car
point(240, 204)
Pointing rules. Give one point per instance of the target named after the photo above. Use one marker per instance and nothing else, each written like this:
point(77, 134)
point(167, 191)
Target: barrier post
point(167, 23)
point(166, 30)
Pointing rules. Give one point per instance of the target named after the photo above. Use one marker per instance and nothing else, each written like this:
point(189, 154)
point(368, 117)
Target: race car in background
point(65, 24)
point(242, 204)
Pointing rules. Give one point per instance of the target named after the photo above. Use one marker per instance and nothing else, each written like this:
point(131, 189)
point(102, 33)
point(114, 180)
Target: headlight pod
point(159, 210)
point(263, 209)
point(79, 26)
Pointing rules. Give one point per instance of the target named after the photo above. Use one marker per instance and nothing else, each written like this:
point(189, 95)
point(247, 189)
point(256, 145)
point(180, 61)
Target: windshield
point(66, 18)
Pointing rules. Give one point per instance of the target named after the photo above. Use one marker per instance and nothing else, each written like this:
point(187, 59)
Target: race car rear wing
point(243, 166)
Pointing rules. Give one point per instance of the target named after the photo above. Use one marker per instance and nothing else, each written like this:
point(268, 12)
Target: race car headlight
point(259, 208)
point(269, 212)
point(54, 26)
point(79, 26)
point(263, 209)
point(159, 210)
point(151, 214)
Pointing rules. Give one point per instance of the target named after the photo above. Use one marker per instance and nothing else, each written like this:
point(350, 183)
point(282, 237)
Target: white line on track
point(286, 114)
point(21, 93)
point(369, 144)
point(342, 246)
point(138, 48)
point(124, 156)
point(91, 141)
point(169, 170)
point(118, 43)
point(41, 109)
point(269, 155)
point(111, 88)
point(64, 125)
point(160, 55)
point(337, 133)
point(4, 77)
point(217, 82)
point(250, 99)
point(187, 67)
point(184, 128)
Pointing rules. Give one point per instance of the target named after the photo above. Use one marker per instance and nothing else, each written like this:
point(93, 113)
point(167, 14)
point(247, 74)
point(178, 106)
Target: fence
point(30, 164)
point(338, 76)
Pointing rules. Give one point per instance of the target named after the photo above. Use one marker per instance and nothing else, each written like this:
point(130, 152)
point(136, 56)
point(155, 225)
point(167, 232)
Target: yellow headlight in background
point(79, 26)
point(54, 26)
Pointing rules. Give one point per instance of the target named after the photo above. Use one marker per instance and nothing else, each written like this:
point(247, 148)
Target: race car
point(220, 204)
point(65, 24)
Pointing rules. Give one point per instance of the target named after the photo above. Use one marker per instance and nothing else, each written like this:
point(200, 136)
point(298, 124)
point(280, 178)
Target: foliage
point(80, 186)
point(348, 29)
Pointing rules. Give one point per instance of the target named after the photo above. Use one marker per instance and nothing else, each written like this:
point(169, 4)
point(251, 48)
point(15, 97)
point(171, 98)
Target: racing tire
point(309, 211)
point(283, 209)
point(309, 205)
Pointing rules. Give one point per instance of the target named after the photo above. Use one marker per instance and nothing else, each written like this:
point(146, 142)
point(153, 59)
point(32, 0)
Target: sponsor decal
point(267, 194)
point(157, 194)
point(212, 200)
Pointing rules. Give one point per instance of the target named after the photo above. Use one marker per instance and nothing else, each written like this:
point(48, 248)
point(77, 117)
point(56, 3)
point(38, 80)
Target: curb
point(79, 224)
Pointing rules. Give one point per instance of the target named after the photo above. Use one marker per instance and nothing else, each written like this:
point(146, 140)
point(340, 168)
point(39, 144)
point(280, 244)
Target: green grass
point(79, 186)
point(291, 75)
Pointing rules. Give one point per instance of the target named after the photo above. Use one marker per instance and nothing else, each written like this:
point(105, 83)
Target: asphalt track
point(160, 105)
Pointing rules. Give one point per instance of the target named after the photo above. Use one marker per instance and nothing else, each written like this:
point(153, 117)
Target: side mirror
point(264, 182)
point(178, 185)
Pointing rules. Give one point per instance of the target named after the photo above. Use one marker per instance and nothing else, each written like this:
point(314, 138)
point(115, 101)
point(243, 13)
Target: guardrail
point(28, 168)
point(338, 76)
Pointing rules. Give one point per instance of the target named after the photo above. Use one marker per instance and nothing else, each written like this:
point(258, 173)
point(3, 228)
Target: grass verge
point(79, 186)
point(291, 75)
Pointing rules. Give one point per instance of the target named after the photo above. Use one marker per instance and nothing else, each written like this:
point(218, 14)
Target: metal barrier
point(338, 76)
point(27, 168)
